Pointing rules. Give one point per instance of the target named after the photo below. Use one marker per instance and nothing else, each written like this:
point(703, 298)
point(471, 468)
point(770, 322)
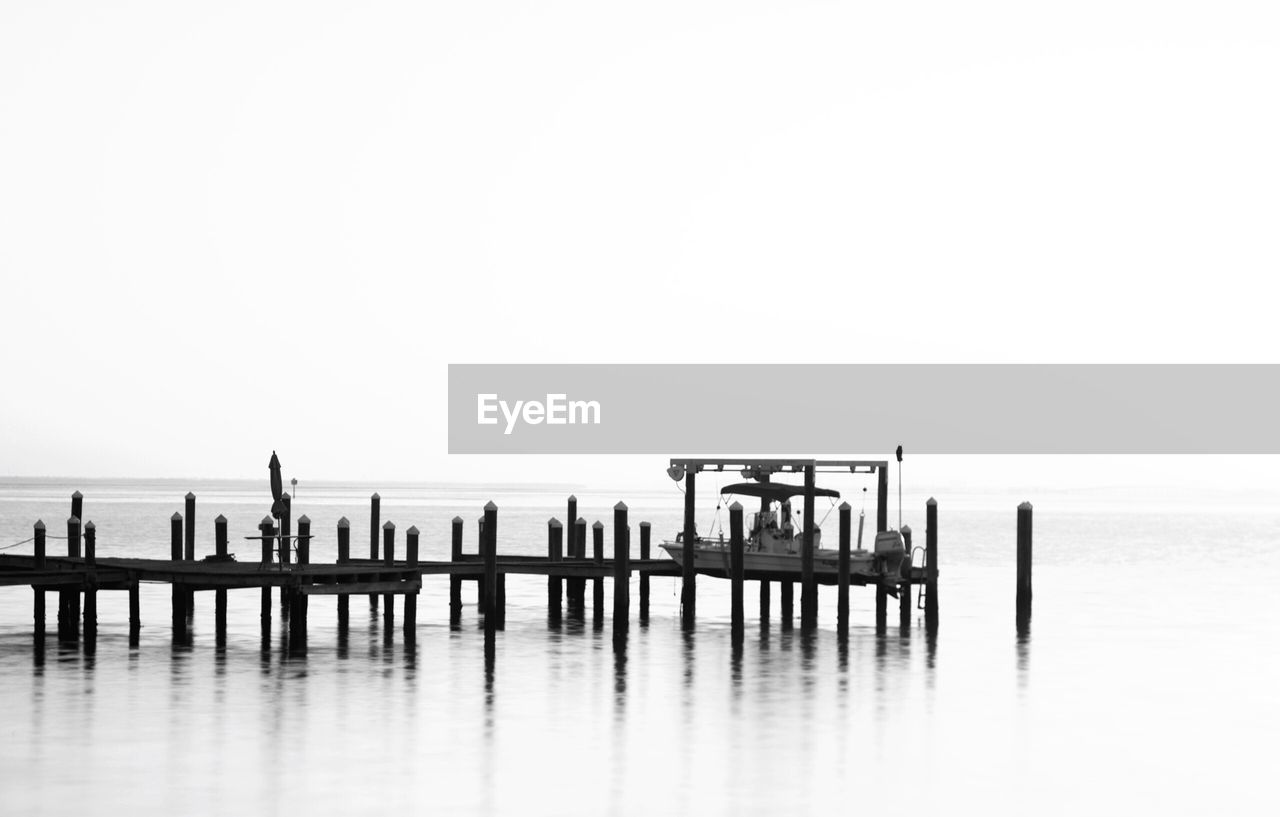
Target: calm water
point(1150, 684)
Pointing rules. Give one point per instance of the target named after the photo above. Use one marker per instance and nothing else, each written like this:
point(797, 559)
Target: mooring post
point(480, 591)
point(578, 586)
point(411, 597)
point(38, 593)
point(842, 590)
point(220, 596)
point(388, 559)
point(597, 584)
point(375, 530)
point(298, 622)
point(455, 582)
point(808, 582)
point(644, 576)
point(764, 604)
point(344, 556)
point(135, 610)
point(621, 571)
point(266, 533)
point(91, 586)
point(555, 545)
point(71, 617)
point(189, 538)
point(489, 551)
point(77, 505)
point(1023, 600)
point(736, 571)
point(931, 565)
point(689, 577)
point(177, 593)
point(788, 612)
point(904, 589)
point(285, 543)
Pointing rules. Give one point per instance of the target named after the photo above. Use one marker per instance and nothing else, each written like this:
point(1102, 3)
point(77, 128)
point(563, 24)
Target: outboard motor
point(890, 552)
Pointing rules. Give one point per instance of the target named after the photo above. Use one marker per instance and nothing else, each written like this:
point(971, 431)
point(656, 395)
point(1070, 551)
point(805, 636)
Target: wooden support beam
point(597, 584)
point(375, 530)
point(842, 597)
point(689, 578)
point(266, 532)
point(555, 546)
point(490, 553)
point(737, 567)
point(621, 574)
point(644, 577)
point(931, 566)
point(411, 599)
point(904, 589)
point(220, 596)
point(455, 582)
point(344, 556)
point(808, 585)
point(388, 559)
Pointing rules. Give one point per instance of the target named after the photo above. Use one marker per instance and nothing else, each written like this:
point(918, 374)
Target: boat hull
point(713, 559)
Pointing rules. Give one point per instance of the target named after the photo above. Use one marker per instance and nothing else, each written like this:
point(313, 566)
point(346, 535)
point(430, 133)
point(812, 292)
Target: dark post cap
point(572, 498)
point(645, 525)
point(177, 517)
point(375, 496)
point(906, 529)
point(457, 520)
point(932, 501)
point(554, 523)
point(389, 525)
point(621, 506)
point(343, 523)
point(844, 506)
point(266, 522)
point(412, 531)
point(1025, 506)
point(89, 527)
point(39, 524)
point(304, 520)
point(598, 524)
point(75, 520)
point(77, 495)
point(736, 507)
point(581, 521)
point(489, 506)
point(190, 495)
point(220, 520)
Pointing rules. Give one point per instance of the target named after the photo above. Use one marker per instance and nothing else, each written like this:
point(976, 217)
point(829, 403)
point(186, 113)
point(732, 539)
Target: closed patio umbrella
point(277, 487)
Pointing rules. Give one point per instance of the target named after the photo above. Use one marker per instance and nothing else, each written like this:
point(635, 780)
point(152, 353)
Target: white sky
point(231, 227)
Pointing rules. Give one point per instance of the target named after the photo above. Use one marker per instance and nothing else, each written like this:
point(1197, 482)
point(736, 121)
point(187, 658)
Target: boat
point(774, 543)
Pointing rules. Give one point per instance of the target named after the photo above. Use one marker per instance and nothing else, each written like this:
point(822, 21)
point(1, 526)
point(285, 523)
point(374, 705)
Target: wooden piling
point(904, 589)
point(644, 577)
point(177, 594)
point(764, 604)
point(91, 588)
point(621, 572)
point(555, 545)
point(266, 533)
point(375, 530)
point(40, 561)
point(77, 505)
point(411, 598)
point(689, 574)
point(73, 598)
point(578, 586)
point(489, 553)
point(344, 556)
point(882, 607)
point(787, 603)
point(931, 566)
point(300, 603)
point(842, 597)
point(220, 596)
point(189, 533)
point(285, 544)
point(455, 582)
point(1023, 590)
point(135, 610)
point(388, 560)
point(736, 572)
point(808, 582)
point(597, 584)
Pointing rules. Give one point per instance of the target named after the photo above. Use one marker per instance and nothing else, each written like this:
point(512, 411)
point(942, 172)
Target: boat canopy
point(774, 491)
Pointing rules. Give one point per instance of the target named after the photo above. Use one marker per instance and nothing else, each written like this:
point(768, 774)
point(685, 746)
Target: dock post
point(69, 615)
point(904, 589)
point(764, 604)
point(38, 593)
point(621, 573)
point(344, 556)
point(555, 546)
point(597, 584)
point(77, 505)
point(787, 602)
point(189, 551)
point(388, 559)
point(882, 525)
point(808, 583)
point(842, 595)
point(375, 528)
point(644, 576)
point(489, 551)
point(480, 596)
point(298, 605)
point(736, 572)
point(285, 544)
point(177, 592)
point(135, 611)
point(220, 596)
point(266, 532)
point(411, 598)
point(689, 583)
point(578, 586)
point(1023, 600)
point(91, 587)
point(575, 588)
point(455, 582)
point(931, 566)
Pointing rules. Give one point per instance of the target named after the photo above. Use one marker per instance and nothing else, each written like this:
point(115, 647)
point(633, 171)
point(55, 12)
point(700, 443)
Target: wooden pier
point(287, 567)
